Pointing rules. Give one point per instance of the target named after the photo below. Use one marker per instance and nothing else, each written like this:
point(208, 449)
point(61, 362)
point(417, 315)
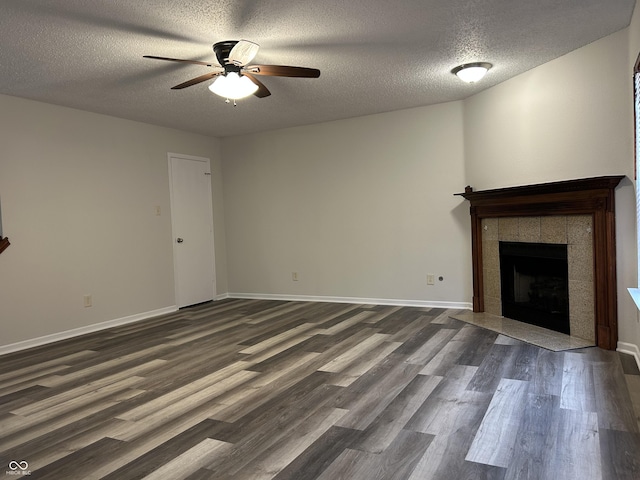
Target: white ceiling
point(374, 55)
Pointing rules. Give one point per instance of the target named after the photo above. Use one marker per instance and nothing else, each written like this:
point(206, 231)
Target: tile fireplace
point(575, 215)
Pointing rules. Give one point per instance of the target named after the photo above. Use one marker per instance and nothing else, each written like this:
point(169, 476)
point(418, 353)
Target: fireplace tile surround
point(556, 212)
point(575, 231)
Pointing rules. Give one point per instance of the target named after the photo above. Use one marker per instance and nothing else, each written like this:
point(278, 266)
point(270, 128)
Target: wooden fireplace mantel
point(4, 243)
point(587, 196)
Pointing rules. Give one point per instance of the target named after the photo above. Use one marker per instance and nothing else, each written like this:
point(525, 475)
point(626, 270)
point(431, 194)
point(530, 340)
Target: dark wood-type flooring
point(252, 389)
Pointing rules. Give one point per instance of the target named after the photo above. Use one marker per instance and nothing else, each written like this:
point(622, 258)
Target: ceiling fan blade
point(282, 71)
point(243, 52)
point(262, 91)
point(196, 62)
point(194, 81)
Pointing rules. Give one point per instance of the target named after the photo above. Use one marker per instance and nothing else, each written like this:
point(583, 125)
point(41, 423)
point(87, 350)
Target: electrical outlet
point(158, 210)
point(294, 276)
point(88, 301)
point(431, 279)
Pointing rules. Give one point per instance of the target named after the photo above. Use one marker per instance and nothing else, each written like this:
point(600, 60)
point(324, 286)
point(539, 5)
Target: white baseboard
point(56, 337)
point(630, 349)
point(355, 300)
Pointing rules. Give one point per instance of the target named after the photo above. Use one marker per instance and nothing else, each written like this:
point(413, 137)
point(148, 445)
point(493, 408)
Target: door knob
point(179, 240)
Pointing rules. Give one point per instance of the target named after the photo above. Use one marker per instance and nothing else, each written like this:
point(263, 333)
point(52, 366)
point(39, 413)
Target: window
point(635, 292)
point(636, 94)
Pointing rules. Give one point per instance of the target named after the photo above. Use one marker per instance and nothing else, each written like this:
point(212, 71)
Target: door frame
point(170, 156)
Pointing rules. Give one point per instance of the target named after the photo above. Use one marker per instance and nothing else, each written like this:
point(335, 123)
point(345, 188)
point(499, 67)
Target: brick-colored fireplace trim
point(587, 196)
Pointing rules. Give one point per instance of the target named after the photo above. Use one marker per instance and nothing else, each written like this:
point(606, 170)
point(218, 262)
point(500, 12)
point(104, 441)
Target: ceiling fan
point(234, 78)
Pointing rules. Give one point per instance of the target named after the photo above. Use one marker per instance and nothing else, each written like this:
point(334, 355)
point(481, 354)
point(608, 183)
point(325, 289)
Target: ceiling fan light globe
point(233, 86)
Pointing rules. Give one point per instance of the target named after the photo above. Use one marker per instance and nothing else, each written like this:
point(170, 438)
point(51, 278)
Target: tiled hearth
point(575, 231)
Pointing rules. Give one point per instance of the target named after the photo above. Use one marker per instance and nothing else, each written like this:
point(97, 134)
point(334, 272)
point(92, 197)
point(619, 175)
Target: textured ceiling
point(374, 55)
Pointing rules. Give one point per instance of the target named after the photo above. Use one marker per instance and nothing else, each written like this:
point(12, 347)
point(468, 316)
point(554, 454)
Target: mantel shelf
point(4, 243)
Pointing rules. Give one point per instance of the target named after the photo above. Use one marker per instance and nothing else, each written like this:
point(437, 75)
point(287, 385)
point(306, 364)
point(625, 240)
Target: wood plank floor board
point(11, 374)
point(149, 440)
point(259, 386)
point(285, 308)
point(383, 431)
point(190, 461)
point(629, 365)
point(535, 438)
point(576, 453)
point(431, 347)
point(173, 410)
point(578, 388)
point(61, 386)
point(259, 389)
point(444, 459)
point(22, 397)
point(526, 362)
point(210, 334)
point(258, 409)
point(245, 418)
point(278, 455)
point(499, 363)
point(342, 361)
point(33, 437)
point(494, 442)
point(327, 344)
point(477, 347)
point(184, 369)
point(358, 465)
point(411, 329)
point(382, 312)
point(90, 370)
point(366, 408)
point(398, 461)
point(613, 403)
point(633, 387)
point(275, 328)
point(276, 424)
point(173, 448)
point(365, 363)
point(81, 463)
point(53, 354)
point(183, 391)
point(344, 313)
point(620, 454)
point(450, 355)
point(320, 455)
point(441, 415)
point(42, 411)
point(548, 373)
point(392, 324)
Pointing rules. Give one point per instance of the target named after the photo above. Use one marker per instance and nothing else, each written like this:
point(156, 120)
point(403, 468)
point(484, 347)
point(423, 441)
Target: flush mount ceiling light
point(471, 72)
point(233, 86)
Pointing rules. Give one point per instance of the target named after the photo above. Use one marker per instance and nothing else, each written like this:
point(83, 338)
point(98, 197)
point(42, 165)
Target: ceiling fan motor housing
point(222, 50)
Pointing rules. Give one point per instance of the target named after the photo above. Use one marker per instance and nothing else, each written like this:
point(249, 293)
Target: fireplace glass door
point(535, 285)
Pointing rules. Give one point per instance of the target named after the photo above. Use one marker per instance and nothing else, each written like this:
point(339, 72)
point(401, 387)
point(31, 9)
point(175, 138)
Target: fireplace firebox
point(534, 282)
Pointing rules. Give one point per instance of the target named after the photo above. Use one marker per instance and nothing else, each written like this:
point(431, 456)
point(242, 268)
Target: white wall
point(79, 192)
point(360, 208)
point(569, 118)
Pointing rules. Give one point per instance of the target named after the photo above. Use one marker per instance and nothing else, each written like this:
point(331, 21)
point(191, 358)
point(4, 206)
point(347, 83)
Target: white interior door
point(192, 225)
